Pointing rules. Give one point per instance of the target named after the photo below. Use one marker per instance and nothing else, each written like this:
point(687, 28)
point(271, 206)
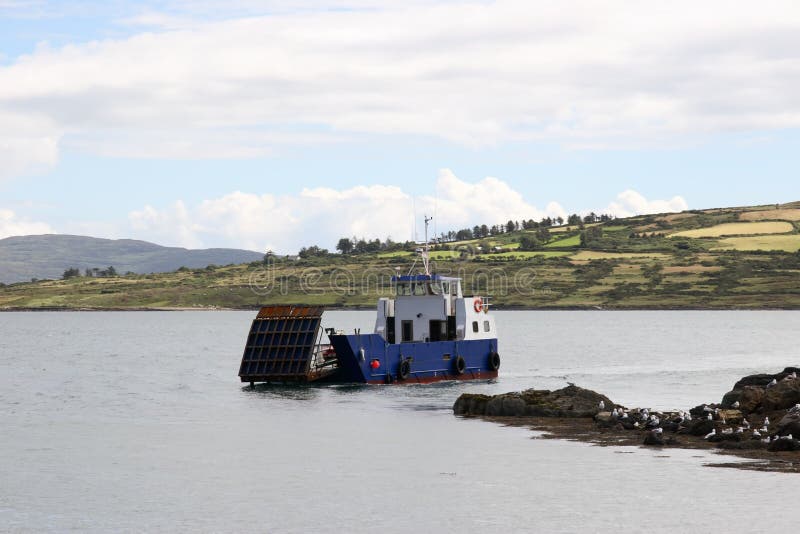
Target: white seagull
point(602, 405)
point(766, 421)
point(710, 417)
point(756, 434)
point(735, 405)
point(712, 433)
point(795, 408)
point(773, 383)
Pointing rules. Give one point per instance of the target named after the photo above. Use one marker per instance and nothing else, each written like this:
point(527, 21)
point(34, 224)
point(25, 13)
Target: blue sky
point(280, 124)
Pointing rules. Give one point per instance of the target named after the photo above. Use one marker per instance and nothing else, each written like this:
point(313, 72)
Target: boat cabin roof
point(424, 278)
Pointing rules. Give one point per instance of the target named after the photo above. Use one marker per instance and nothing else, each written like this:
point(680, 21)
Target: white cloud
point(321, 216)
point(172, 226)
point(584, 73)
point(11, 225)
point(28, 143)
point(459, 204)
point(630, 203)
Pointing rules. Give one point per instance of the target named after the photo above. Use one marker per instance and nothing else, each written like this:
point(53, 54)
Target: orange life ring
point(478, 305)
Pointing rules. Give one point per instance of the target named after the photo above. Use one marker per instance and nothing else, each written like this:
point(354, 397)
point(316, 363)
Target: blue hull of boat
point(427, 361)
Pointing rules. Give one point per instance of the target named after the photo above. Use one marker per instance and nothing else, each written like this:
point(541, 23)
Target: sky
point(271, 125)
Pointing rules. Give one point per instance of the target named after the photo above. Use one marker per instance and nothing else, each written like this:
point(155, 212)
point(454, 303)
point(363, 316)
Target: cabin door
point(407, 331)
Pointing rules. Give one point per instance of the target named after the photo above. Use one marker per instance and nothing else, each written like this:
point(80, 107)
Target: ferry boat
point(427, 332)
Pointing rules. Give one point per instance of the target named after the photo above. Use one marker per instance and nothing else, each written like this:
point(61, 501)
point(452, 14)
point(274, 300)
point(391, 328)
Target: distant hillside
point(47, 256)
point(724, 258)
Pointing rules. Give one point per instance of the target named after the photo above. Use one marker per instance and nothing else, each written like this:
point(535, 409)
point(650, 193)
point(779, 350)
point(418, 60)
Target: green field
point(567, 242)
point(622, 266)
point(731, 229)
point(788, 243)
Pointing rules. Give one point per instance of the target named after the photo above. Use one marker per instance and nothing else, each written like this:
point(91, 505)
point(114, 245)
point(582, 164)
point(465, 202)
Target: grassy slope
point(611, 273)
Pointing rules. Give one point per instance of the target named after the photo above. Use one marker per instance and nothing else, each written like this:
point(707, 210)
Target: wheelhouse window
point(486, 326)
point(475, 326)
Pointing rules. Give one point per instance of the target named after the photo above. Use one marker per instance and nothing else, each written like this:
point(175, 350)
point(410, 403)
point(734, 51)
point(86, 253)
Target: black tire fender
point(494, 361)
point(404, 370)
point(461, 365)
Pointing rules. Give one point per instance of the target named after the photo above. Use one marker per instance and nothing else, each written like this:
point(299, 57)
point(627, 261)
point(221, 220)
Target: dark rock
point(605, 420)
point(748, 445)
point(762, 380)
point(720, 437)
point(671, 427)
point(784, 445)
point(785, 394)
point(510, 404)
point(789, 424)
point(571, 401)
point(654, 438)
point(627, 424)
point(750, 398)
point(700, 411)
point(731, 397)
point(699, 427)
point(471, 404)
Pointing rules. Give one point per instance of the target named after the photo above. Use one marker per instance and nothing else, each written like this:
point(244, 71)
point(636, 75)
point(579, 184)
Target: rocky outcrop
point(762, 380)
point(571, 401)
point(757, 393)
point(761, 413)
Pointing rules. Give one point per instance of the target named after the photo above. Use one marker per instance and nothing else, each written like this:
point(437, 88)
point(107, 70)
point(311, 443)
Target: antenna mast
point(425, 261)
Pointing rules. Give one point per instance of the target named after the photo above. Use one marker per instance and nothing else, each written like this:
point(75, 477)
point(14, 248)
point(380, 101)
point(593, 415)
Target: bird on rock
point(766, 421)
point(746, 424)
point(735, 405)
point(772, 383)
point(710, 417)
point(602, 405)
point(795, 409)
point(756, 434)
point(712, 433)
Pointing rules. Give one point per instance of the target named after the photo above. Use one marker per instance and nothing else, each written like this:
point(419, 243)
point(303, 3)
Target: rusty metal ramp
point(282, 346)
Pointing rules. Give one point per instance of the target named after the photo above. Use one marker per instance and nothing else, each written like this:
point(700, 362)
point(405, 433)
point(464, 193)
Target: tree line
point(95, 272)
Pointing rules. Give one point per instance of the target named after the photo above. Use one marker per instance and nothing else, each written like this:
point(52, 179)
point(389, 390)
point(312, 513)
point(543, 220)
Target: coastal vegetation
point(728, 258)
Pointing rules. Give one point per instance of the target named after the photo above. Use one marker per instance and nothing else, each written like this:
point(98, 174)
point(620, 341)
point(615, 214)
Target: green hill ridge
point(725, 258)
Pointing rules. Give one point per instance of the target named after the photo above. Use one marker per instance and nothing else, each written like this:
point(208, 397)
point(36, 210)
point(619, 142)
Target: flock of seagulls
point(653, 422)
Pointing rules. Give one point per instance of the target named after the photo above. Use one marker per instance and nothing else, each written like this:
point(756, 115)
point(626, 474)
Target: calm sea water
point(137, 422)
